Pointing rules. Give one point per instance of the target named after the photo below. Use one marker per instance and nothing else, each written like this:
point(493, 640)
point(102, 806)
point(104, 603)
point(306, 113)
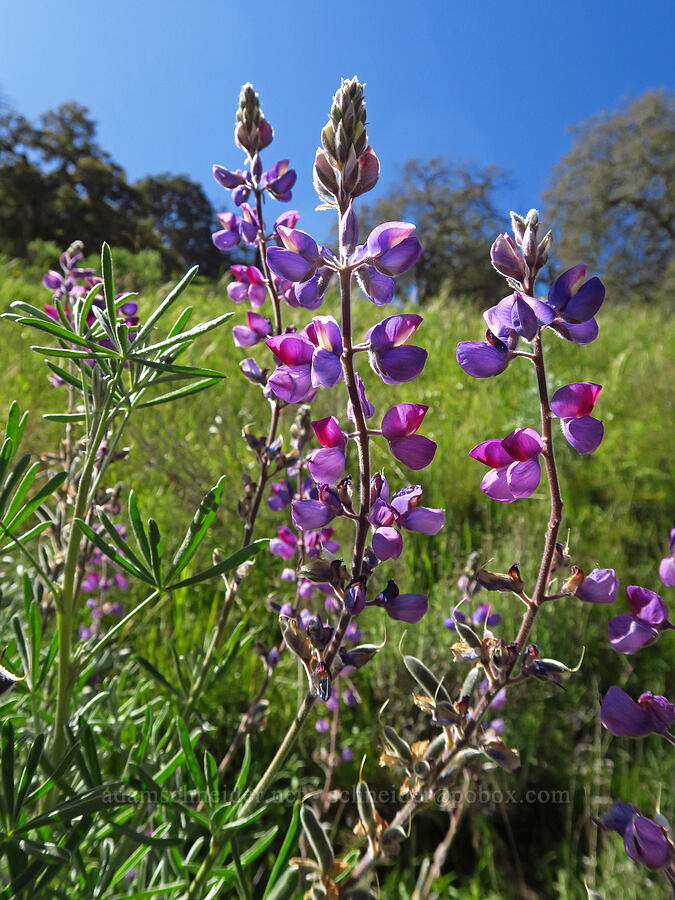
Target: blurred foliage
point(611, 198)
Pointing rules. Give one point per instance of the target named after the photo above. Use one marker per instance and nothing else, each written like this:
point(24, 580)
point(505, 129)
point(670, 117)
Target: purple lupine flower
point(403, 607)
point(328, 462)
point(390, 357)
point(482, 616)
point(599, 586)
point(507, 258)
point(667, 567)
point(572, 303)
point(322, 725)
point(518, 313)
point(249, 284)
point(285, 545)
point(309, 294)
point(387, 542)
point(282, 494)
point(391, 249)
point(644, 840)
point(623, 717)
point(228, 236)
point(366, 405)
point(292, 381)
point(299, 257)
point(515, 470)
point(399, 427)
point(324, 332)
point(309, 515)
point(318, 541)
point(227, 179)
point(414, 517)
point(628, 632)
point(355, 597)
point(377, 287)
point(278, 181)
point(257, 330)
point(251, 370)
point(573, 404)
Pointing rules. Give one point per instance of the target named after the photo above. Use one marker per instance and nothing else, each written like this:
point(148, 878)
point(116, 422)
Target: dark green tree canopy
point(454, 209)
point(59, 184)
point(612, 199)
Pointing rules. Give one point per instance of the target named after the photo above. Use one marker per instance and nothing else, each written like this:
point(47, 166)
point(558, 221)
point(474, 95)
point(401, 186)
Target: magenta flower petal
point(424, 520)
point(387, 543)
point(647, 606)
point(481, 360)
point(415, 451)
point(326, 464)
point(599, 586)
point(287, 264)
point(524, 477)
point(575, 400)
point(311, 514)
point(622, 716)
point(646, 843)
point(292, 349)
point(522, 444)
point(584, 434)
point(329, 433)
point(403, 420)
point(410, 608)
point(496, 485)
point(628, 634)
point(400, 364)
point(491, 453)
point(292, 383)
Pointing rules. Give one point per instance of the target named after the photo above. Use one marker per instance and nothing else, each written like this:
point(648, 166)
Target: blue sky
point(486, 81)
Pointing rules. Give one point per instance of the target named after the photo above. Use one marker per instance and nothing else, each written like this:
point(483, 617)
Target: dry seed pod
point(366, 808)
point(470, 682)
point(317, 839)
point(467, 634)
point(425, 678)
point(435, 748)
point(499, 581)
point(396, 743)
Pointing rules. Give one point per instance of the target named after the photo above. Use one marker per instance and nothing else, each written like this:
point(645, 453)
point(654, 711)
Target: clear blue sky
point(480, 80)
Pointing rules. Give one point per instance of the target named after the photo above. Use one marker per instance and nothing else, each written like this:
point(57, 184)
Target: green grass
point(619, 507)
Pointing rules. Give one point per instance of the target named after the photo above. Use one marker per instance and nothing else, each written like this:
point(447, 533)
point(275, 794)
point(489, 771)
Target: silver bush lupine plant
point(111, 361)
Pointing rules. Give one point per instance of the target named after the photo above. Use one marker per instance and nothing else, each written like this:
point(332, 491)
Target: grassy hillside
point(619, 507)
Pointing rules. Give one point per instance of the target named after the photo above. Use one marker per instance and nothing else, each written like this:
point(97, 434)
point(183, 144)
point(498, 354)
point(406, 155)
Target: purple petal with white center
point(599, 586)
point(584, 434)
point(523, 318)
point(660, 710)
point(586, 302)
point(491, 453)
point(329, 433)
point(403, 420)
point(328, 334)
point(424, 520)
point(310, 514)
point(299, 242)
point(481, 360)
point(583, 333)
point(522, 444)
point(405, 500)
point(366, 405)
point(292, 383)
point(394, 331)
point(326, 369)
point(400, 258)
point(415, 451)
point(387, 543)
point(575, 400)
point(628, 635)
point(326, 464)
point(290, 265)
point(408, 608)
point(388, 235)
point(647, 606)
point(645, 842)
point(292, 349)
point(622, 716)
point(562, 288)
point(400, 364)
point(524, 477)
point(496, 485)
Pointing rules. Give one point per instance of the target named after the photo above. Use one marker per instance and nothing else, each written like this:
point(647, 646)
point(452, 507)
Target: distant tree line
point(58, 184)
point(610, 202)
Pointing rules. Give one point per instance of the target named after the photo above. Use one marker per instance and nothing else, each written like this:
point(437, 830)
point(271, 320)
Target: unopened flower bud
point(252, 131)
